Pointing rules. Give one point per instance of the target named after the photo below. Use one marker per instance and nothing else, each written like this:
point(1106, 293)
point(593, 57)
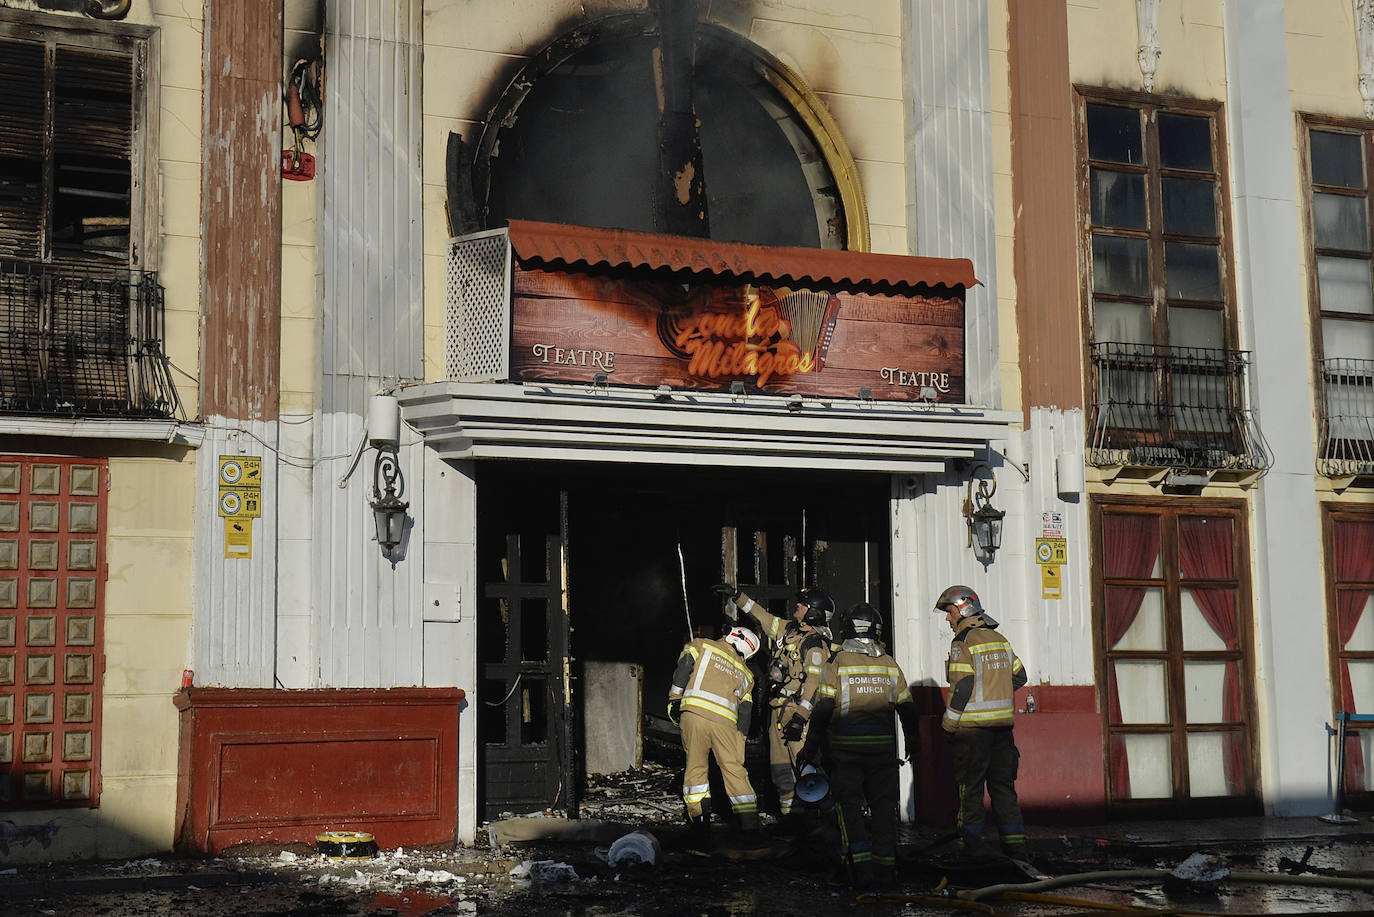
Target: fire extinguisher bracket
point(297, 166)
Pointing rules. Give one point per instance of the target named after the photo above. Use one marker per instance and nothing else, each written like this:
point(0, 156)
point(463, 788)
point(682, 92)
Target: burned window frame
point(136, 43)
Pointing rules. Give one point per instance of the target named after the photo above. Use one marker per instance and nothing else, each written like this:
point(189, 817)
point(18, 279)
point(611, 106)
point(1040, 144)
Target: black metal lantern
point(388, 509)
point(984, 519)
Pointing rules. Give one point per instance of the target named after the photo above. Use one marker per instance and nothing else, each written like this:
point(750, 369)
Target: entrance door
point(525, 721)
point(1173, 627)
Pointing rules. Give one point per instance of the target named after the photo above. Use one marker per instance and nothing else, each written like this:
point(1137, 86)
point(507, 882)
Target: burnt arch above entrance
point(580, 136)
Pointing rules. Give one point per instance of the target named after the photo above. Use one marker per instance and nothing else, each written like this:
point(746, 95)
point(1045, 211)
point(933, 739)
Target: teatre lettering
point(566, 356)
point(894, 376)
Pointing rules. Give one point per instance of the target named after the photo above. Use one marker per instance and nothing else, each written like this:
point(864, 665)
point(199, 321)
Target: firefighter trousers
point(703, 736)
point(782, 758)
point(859, 778)
point(987, 757)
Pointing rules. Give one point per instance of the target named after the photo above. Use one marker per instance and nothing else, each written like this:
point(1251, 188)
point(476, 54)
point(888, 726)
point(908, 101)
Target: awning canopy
point(556, 244)
point(576, 423)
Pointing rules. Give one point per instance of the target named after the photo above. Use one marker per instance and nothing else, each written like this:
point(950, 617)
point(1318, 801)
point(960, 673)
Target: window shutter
point(21, 148)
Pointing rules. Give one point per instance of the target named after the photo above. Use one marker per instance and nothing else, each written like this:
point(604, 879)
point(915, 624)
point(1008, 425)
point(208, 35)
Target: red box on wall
point(261, 765)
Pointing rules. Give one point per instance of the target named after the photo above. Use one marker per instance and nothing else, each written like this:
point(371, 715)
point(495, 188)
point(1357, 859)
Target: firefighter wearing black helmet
point(800, 645)
point(852, 731)
point(984, 673)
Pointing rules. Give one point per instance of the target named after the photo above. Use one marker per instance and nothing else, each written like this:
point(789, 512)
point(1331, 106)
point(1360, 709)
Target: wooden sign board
point(572, 327)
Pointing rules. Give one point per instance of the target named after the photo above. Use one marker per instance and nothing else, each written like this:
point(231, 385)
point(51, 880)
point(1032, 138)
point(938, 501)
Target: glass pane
point(1185, 142)
point(492, 627)
point(1216, 764)
point(1362, 637)
point(533, 695)
point(1344, 339)
point(491, 714)
point(1354, 539)
point(1201, 633)
point(1203, 685)
point(1191, 271)
point(534, 630)
point(1190, 206)
point(1337, 159)
point(1140, 690)
point(1131, 546)
point(1362, 684)
point(1147, 629)
point(1200, 407)
point(1344, 284)
point(1122, 322)
point(1118, 199)
point(1205, 547)
point(1121, 265)
point(1132, 399)
point(1361, 744)
point(1145, 770)
point(1114, 134)
point(1340, 221)
point(1195, 327)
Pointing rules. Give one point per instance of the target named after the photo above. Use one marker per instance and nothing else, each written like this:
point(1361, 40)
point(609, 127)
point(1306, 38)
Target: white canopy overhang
point(489, 420)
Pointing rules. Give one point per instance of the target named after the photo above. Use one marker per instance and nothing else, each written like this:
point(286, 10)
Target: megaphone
point(812, 785)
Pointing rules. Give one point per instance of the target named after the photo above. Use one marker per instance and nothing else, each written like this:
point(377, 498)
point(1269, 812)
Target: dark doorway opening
point(641, 547)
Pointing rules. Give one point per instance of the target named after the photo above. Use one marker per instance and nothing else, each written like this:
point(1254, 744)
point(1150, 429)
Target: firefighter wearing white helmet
point(712, 700)
point(984, 673)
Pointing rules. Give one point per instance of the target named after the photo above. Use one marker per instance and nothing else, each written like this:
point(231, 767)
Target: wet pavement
point(1268, 866)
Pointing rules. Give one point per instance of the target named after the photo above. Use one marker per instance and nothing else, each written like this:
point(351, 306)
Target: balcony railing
point(1180, 408)
point(1347, 417)
point(82, 342)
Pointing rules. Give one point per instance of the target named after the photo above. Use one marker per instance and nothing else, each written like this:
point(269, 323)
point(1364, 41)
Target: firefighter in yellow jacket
point(984, 673)
point(801, 646)
point(860, 690)
point(712, 699)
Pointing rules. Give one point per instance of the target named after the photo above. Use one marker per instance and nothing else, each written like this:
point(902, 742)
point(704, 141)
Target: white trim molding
point(465, 421)
point(174, 432)
point(1147, 26)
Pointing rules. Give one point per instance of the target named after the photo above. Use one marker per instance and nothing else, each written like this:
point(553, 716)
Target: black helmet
point(820, 607)
point(863, 620)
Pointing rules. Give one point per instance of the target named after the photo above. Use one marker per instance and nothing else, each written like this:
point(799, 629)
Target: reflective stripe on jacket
point(985, 658)
point(719, 683)
point(865, 685)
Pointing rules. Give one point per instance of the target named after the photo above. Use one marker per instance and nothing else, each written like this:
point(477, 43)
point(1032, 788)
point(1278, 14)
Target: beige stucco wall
point(1103, 39)
point(850, 54)
point(152, 489)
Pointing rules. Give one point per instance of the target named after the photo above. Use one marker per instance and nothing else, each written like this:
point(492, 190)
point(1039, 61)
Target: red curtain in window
point(1354, 562)
point(1205, 551)
point(1130, 547)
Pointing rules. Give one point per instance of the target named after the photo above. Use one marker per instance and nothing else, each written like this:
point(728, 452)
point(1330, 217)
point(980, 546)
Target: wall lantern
point(984, 519)
point(388, 509)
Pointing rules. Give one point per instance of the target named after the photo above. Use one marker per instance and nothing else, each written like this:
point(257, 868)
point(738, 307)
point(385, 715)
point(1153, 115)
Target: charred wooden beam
point(681, 194)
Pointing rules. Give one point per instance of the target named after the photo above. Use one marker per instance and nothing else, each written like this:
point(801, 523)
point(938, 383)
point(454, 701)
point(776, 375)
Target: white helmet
point(744, 640)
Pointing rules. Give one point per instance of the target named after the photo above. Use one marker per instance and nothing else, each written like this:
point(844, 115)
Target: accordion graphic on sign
point(812, 315)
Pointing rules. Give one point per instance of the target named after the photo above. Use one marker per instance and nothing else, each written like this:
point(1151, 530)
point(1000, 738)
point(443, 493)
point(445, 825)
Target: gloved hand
point(675, 711)
point(725, 591)
point(912, 745)
point(805, 755)
point(792, 730)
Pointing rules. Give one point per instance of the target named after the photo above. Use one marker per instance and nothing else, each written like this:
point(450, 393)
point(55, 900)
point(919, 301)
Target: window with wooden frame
point(1349, 535)
point(1338, 155)
point(1172, 625)
point(1168, 382)
point(81, 311)
point(52, 598)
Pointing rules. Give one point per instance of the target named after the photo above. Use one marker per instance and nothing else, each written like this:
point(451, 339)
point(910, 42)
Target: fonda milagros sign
point(574, 327)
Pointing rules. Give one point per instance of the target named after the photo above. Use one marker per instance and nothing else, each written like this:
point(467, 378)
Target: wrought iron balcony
point(82, 342)
point(1177, 408)
point(1347, 446)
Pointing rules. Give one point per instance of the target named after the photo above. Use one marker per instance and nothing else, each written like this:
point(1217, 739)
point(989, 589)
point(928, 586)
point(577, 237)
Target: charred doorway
point(640, 548)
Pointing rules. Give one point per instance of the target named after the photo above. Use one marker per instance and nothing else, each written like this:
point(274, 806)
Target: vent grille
point(477, 320)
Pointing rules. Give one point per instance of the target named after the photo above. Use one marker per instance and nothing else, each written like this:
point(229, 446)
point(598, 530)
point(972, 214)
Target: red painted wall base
point(258, 765)
point(1060, 782)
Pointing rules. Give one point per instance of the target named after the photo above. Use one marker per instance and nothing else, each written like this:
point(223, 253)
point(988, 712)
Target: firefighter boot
point(699, 826)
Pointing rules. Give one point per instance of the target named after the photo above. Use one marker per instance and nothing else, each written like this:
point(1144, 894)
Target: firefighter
point(801, 645)
point(984, 673)
point(711, 700)
point(852, 732)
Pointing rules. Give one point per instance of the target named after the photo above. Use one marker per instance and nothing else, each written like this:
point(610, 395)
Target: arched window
point(576, 138)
